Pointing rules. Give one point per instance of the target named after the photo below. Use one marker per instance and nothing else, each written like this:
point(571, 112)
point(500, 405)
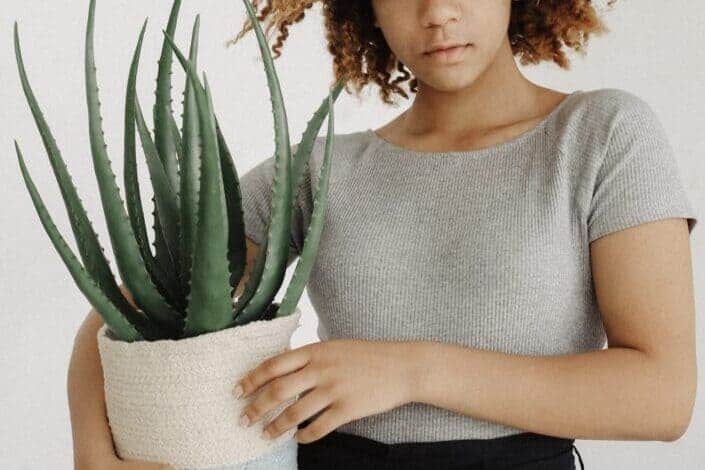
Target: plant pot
point(172, 401)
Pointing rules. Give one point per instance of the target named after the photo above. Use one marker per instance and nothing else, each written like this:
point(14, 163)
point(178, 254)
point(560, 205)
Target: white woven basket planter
point(172, 401)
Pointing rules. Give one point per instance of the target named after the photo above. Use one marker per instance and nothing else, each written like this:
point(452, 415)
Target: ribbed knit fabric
point(487, 248)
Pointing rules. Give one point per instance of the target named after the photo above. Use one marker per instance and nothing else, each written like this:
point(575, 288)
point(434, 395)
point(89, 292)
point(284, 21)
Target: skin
point(642, 387)
point(473, 103)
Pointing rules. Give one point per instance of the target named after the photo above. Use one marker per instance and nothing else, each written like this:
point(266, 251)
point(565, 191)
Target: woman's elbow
point(681, 410)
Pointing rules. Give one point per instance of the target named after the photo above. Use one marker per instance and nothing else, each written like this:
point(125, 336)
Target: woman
point(467, 247)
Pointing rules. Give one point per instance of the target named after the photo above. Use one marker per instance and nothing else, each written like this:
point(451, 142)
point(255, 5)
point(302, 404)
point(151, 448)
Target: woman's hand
point(351, 378)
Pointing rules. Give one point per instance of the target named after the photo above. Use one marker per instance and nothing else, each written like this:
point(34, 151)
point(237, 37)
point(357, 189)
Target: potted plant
point(177, 340)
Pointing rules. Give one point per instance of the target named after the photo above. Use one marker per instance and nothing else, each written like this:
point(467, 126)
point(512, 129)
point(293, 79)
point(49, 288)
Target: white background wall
point(654, 50)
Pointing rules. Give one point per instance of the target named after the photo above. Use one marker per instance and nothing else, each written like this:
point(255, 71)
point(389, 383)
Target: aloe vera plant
point(185, 286)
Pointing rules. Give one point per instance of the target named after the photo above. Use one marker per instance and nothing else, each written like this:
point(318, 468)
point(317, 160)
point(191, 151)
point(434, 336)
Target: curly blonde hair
point(538, 29)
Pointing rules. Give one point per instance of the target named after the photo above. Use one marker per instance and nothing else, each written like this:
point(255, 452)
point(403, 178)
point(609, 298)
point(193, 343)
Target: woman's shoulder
point(347, 149)
point(349, 144)
point(611, 96)
point(595, 117)
point(601, 107)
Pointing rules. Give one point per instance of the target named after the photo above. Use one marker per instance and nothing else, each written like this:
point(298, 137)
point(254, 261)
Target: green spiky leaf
point(237, 249)
point(87, 240)
point(126, 323)
point(129, 259)
point(209, 300)
point(162, 112)
point(313, 233)
point(300, 164)
point(308, 139)
point(165, 281)
point(132, 193)
point(190, 164)
point(269, 280)
point(164, 194)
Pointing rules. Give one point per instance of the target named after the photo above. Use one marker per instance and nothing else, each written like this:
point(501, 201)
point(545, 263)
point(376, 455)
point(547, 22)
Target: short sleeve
point(256, 192)
point(638, 180)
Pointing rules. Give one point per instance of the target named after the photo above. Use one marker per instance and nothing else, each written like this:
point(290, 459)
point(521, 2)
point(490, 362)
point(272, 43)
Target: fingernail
point(238, 391)
point(266, 435)
point(244, 420)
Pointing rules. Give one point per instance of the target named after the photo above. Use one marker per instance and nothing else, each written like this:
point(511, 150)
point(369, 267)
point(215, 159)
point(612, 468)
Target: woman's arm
point(641, 388)
point(92, 440)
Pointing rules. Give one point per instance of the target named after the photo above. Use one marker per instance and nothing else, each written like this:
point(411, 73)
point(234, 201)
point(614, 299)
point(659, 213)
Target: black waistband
point(514, 444)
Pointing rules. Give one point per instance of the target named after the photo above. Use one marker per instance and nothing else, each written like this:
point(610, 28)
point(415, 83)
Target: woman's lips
point(448, 55)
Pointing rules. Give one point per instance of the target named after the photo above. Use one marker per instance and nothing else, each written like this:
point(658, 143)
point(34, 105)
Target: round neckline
point(501, 146)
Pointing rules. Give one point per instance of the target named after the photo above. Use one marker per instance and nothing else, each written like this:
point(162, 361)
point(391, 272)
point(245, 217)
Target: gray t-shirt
point(487, 248)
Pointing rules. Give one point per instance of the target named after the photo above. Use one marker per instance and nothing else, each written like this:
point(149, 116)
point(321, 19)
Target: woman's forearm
point(92, 440)
point(611, 394)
